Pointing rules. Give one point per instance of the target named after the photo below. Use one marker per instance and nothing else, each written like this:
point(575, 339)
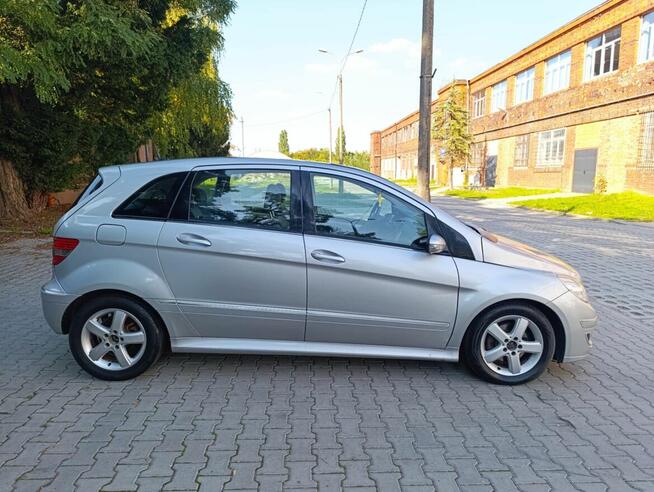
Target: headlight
point(574, 286)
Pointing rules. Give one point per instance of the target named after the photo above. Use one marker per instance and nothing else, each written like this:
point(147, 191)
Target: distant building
point(571, 109)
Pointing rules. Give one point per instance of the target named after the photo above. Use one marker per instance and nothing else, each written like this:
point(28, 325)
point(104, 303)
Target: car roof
point(188, 164)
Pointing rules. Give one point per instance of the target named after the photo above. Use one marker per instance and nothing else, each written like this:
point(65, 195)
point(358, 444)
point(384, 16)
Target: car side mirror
point(436, 244)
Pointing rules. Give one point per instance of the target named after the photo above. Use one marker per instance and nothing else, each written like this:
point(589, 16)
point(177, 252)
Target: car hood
point(507, 252)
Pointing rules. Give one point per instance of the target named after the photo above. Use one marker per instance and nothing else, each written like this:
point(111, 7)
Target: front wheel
point(510, 344)
point(115, 338)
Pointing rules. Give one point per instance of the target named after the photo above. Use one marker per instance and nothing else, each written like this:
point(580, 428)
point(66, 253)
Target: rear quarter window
point(153, 200)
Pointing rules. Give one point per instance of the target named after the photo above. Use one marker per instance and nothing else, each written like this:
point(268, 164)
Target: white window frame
point(498, 96)
point(646, 43)
point(601, 49)
point(479, 104)
point(557, 72)
point(551, 148)
point(521, 159)
point(646, 151)
point(524, 86)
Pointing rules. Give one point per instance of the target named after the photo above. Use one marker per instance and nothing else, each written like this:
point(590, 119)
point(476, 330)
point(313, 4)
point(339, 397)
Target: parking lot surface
point(248, 422)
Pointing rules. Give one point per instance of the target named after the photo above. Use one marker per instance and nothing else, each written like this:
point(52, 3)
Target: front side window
point(479, 104)
point(251, 198)
point(499, 97)
point(152, 201)
point(603, 54)
point(647, 142)
point(352, 210)
point(646, 50)
point(551, 148)
point(557, 72)
point(521, 151)
point(524, 86)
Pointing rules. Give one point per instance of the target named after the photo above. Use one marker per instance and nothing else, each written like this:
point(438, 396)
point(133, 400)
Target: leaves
point(450, 128)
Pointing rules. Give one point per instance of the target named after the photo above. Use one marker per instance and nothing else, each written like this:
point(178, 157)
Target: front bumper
point(580, 320)
point(54, 301)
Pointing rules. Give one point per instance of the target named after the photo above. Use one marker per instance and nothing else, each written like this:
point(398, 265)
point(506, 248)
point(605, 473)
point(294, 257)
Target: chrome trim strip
point(258, 346)
point(385, 319)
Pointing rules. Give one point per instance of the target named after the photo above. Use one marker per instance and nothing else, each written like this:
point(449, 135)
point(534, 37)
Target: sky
point(279, 80)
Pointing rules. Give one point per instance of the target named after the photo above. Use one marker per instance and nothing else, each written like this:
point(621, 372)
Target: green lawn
point(410, 183)
point(626, 206)
point(498, 192)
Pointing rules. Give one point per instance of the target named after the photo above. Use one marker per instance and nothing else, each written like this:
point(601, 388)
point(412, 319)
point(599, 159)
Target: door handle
point(327, 256)
point(187, 238)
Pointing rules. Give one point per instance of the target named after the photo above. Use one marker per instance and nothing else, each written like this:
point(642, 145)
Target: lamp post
point(339, 78)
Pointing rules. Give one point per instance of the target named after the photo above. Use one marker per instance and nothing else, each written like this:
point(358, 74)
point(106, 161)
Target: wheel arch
point(552, 317)
point(70, 310)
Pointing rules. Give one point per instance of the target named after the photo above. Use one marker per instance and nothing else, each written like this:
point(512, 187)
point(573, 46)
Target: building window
point(498, 100)
point(603, 54)
point(479, 104)
point(477, 154)
point(557, 72)
point(521, 158)
point(647, 38)
point(524, 86)
point(551, 148)
point(647, 142)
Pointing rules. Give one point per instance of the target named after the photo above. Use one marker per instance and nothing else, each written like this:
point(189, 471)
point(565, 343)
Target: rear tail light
point(61, 248)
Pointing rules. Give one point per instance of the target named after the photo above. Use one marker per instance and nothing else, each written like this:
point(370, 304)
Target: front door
point(583, 179)
point(234, 255)
point(369, 279)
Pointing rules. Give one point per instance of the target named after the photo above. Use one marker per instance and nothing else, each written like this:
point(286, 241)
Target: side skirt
point(258, 346)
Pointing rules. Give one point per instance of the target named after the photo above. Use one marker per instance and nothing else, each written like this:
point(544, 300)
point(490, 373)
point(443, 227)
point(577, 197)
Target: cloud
point(398, 46)
point(321, 68)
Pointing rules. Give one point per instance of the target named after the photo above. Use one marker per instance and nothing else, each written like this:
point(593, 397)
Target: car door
point(370, 279)
point(233, 253)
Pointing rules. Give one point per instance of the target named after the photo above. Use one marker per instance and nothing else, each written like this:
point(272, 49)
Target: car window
point(242, 197)
point(152, 201)
point(349, 209)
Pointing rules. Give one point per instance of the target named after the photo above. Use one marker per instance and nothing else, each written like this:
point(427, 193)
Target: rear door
point(370, 279)
point(233, 253)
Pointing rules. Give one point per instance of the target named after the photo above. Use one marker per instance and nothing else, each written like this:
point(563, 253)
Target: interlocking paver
point(210, 422)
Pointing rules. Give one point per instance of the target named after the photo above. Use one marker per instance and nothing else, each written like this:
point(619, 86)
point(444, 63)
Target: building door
point(583, 179)
point(490, 167)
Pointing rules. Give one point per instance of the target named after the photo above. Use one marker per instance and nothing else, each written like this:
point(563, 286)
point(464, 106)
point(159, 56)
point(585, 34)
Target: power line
point(349, 52)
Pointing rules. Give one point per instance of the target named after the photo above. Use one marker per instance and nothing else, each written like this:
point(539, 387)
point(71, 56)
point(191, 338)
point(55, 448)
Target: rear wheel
point(115, 338)
point(510, 344)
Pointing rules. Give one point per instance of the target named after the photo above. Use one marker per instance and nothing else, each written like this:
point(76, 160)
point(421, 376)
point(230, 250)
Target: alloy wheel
point(113, 339)
point(512, 345)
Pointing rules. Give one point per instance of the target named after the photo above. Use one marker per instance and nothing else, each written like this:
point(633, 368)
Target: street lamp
point(339, 78)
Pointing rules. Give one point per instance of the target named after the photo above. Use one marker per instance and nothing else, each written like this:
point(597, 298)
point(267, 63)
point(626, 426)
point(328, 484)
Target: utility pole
point(242, 138)
point(424, 127)
point(329, 110)
point(341, 130)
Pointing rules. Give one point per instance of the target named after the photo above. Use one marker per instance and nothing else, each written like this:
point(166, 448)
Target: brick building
point(574, 109)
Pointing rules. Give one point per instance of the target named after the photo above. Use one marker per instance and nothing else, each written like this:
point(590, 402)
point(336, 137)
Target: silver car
point(264, 256)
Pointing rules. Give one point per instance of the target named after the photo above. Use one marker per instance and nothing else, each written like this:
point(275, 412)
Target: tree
point(282, 146)
point(340, 133)
point(450, 128)
point(84, 82)
point(356, 159)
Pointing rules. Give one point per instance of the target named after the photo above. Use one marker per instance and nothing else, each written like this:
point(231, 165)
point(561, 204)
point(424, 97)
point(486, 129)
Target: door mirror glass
point(436, 244)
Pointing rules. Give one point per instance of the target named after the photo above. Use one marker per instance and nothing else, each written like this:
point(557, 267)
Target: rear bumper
point(54, 301)
point(580, 321)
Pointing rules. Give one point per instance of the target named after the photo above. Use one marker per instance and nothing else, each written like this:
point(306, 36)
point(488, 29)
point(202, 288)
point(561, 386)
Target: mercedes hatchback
point(287, 257)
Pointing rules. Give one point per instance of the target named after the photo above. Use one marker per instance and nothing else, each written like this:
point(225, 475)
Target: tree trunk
point(13, 202)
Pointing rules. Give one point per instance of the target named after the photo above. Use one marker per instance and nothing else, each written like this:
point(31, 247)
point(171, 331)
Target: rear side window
point(250, 198)
point(152, 201)
point(91, 188)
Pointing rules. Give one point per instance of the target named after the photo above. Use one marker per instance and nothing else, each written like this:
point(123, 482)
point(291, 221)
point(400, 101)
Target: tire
point(115, 338)
point(500, 356)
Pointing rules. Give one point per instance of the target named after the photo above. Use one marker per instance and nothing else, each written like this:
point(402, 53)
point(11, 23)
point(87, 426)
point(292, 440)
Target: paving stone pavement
point(307, 423)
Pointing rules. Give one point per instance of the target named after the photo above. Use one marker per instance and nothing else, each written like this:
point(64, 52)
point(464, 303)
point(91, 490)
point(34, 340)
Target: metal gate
point(583, 178)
